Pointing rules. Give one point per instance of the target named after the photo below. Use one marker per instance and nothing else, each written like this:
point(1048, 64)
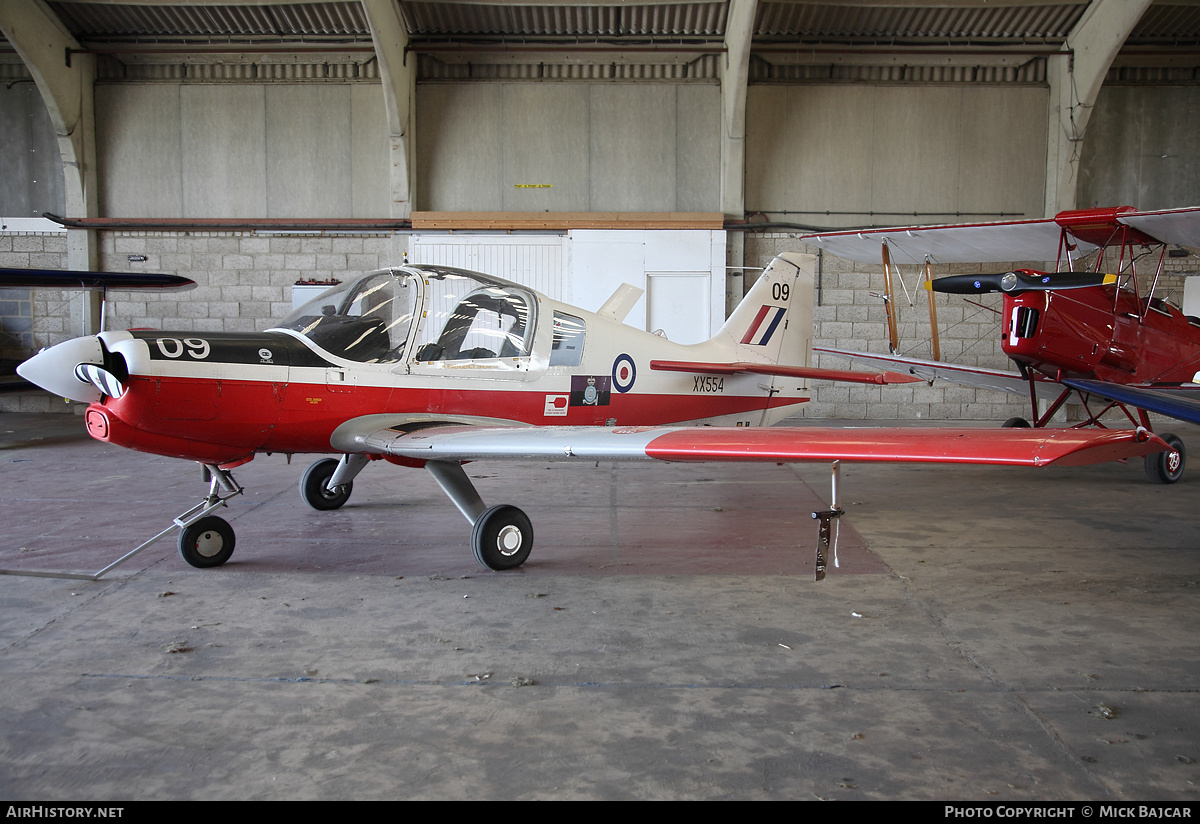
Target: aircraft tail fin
point(773, 323)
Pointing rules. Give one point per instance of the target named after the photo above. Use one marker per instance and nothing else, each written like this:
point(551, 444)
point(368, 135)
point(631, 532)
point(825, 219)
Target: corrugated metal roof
point(695, 19)
point(975, 22)
point(93, 20)
point(1165, 22)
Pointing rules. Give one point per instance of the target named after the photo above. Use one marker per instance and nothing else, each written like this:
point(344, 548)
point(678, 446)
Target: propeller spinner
point(1014, 282)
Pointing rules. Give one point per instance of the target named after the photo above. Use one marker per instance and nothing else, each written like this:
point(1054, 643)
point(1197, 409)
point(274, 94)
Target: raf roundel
point(624, 373)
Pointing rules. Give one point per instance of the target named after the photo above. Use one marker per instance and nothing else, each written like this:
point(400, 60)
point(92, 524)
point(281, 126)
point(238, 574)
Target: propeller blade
point(1015, 282)
point(100, 378)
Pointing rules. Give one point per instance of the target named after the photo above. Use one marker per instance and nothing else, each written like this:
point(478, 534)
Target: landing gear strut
point(502, 536)
point(206, 540)
point(829, 521)
point(327, 483)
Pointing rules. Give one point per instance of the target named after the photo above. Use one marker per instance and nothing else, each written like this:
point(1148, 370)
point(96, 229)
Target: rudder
point(773, 323)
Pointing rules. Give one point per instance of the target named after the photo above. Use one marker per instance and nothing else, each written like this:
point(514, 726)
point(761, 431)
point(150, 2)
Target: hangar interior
point(250, 146)
point(986, 633)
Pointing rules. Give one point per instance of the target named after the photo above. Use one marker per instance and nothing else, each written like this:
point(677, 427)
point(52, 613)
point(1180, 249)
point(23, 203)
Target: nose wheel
point(207, 542)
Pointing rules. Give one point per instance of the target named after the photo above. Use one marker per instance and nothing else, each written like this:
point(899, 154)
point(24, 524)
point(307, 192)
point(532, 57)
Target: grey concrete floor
point(991, 634)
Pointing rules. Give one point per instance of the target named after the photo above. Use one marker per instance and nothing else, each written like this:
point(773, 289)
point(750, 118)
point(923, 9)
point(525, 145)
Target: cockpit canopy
point(458, 314)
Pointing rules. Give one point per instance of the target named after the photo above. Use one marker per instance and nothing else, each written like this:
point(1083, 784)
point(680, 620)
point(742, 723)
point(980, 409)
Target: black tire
point(502, 538)
point(1015, 423)
point(207, 543)
point(312, 486)
point(1167, 467)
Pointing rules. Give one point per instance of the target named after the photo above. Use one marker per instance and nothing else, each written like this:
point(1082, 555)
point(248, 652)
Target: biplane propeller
point(1016, 282)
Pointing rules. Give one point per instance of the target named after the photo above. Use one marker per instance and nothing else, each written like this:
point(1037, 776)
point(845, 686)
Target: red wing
point(1013, 447)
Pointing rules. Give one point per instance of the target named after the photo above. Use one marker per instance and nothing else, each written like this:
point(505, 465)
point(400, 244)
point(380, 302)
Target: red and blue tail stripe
point(765, 323)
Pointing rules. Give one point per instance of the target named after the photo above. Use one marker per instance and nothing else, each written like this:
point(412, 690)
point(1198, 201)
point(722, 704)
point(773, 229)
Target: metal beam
point(1075, 78)
point(399, 77)
point(66, 86)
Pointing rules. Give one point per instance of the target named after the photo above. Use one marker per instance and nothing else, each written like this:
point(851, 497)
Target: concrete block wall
point(30, 317)
point(243, 280)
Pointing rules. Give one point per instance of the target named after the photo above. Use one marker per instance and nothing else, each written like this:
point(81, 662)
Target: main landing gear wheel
point(206, 543)
point(502, 538)
point(313, 489)
point(1015, 423)
point(1167, 467)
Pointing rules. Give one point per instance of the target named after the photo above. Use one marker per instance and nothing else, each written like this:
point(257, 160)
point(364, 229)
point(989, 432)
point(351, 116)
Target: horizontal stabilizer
point(68, 279)
point(783, 371)
point(1009, 447)
point(1179, 402)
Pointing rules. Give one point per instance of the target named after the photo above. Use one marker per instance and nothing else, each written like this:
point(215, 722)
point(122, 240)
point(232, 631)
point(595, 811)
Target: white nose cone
point(53, 369)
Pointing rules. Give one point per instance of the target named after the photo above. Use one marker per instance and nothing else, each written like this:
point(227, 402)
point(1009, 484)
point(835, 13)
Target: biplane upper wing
point(975, 376)
point(1011, 447)
point(1177, 226)
point(966, 243)
point(1006, 241)
point(1180, 402)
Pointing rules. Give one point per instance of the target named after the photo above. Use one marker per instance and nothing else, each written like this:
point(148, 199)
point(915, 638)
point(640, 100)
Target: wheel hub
point(509, 541)
point(1173, 462)
point(209, 544)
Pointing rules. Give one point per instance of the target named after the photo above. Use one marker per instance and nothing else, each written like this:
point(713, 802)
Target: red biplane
point(1084, 333)
point(429, 366)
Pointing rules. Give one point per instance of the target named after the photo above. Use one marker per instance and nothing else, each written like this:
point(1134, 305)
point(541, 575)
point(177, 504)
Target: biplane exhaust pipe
point(1013, 283)
point(55, 369)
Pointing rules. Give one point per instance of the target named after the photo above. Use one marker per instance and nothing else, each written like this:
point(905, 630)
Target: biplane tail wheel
point(1167, 467)
point(313, 489)
point(1015, 423)
point(502, 538)
point(206, 543)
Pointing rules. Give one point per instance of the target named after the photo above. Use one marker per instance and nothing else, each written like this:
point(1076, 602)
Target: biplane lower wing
point(1009, 447)
point(1182, 402)
point(974, 376)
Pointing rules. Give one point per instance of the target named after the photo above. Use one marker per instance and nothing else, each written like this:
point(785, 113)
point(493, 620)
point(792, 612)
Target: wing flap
point(783, 371)
point(1011, 447)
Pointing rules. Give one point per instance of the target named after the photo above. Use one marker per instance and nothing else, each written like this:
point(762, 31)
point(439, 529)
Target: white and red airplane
point(430, 366)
